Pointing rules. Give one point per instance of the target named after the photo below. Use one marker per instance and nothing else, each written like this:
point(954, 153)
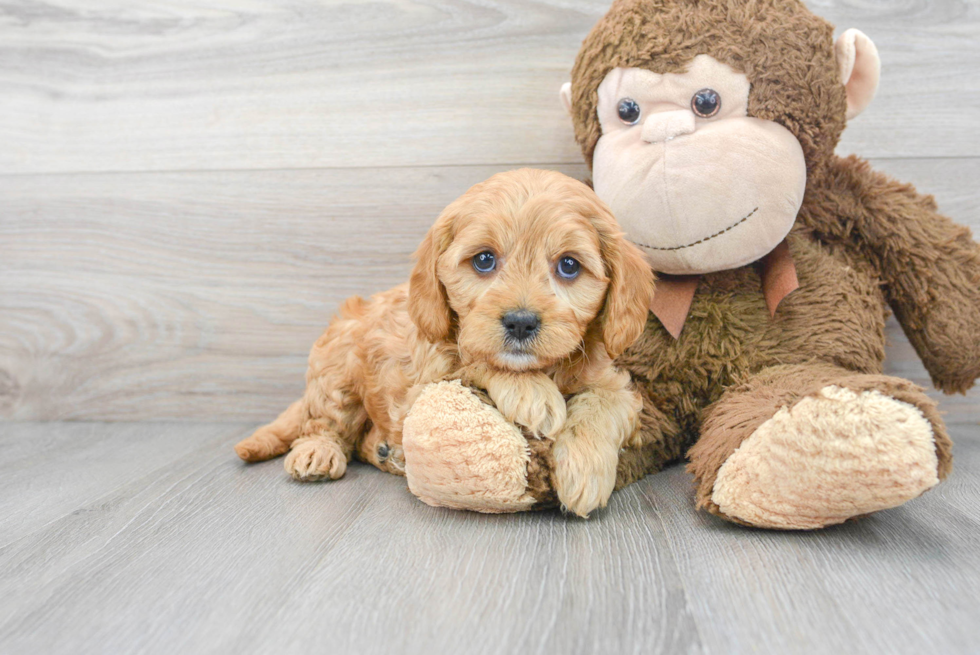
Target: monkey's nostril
point(521, 325)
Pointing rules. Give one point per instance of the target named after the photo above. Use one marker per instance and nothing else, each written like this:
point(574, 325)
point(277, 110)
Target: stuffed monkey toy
point(709, 127)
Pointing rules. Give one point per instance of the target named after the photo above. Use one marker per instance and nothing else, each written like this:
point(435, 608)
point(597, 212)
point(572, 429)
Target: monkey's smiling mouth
point(702, 240)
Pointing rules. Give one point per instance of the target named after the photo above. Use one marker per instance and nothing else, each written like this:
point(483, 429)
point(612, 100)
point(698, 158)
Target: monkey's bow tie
point(675, 293)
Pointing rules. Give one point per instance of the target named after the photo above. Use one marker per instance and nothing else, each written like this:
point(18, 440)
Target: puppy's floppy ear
point(428, 305)
point(630, 285)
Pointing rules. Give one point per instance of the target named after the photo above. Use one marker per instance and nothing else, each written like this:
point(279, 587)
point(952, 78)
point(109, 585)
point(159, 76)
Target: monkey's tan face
point(693, 180)
point(524, 282)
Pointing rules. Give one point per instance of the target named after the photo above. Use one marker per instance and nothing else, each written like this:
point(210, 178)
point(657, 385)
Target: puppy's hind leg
point(275, 438)
point(336, 417)
point(328, 441)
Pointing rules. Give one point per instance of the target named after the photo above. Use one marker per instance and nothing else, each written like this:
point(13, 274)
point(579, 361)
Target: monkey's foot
point(830, 457)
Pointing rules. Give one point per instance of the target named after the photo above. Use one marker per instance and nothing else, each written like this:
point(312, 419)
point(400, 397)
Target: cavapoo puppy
point(524, 287)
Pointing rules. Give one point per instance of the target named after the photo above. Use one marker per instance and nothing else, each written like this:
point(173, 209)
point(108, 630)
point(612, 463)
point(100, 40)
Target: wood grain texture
point(885, 584)
point(198, 295)
point(204, 554)
point(187, 190)
point(193, 295)
point(48, 471)
point(212, 85)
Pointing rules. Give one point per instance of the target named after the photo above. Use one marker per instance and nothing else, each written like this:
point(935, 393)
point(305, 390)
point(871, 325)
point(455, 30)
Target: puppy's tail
point(275, 438)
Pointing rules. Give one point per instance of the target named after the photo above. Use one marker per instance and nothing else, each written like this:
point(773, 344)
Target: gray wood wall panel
point(193, 295)
point(217, 85)
point(198, 295)
point(187, 191)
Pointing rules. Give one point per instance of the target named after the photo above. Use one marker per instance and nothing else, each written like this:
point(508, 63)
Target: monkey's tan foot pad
point(831, 457)
point(463, 454)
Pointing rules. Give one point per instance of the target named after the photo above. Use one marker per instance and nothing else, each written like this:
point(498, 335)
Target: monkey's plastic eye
point(383, 452)
point(484, 262)
point(629, 111)
point(706, 103)
point(568, 267)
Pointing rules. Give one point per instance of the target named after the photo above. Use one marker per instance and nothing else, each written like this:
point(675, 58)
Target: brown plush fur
point(364, 372)
point(861, 242)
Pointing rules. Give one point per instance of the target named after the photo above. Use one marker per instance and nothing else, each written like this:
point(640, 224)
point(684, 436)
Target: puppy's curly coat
point(524, 287)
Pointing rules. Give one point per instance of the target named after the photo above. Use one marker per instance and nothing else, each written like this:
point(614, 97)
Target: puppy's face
point(525, 282)
point(522, 267)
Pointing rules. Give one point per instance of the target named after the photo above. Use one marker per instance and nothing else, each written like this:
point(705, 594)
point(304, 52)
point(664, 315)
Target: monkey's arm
point(929, 265)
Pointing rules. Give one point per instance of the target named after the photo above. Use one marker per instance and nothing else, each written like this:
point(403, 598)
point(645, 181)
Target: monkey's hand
point(947, 340)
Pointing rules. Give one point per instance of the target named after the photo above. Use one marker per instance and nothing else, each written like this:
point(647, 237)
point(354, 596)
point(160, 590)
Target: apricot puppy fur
point(523, 287)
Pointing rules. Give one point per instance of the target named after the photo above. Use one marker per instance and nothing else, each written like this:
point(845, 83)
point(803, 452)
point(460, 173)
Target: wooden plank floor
point(152, 538)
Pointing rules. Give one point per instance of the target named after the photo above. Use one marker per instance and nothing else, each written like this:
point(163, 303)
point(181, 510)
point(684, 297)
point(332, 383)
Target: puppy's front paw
point(316, 459)
point(585, 473)
point(538, 406)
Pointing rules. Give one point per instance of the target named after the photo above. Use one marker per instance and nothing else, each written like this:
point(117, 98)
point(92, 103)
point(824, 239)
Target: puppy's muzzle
point(521, 326)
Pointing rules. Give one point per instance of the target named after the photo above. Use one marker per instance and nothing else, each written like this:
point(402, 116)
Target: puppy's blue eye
point(568, 268)
point(629, 111)
point(484, 262)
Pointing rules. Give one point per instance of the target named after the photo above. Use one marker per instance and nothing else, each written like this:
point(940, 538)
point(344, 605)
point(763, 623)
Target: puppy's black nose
point(521, 325)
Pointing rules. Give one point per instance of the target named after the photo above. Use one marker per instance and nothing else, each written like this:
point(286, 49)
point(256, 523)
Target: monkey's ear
point(428, 305)
point(566, 96)
point(860, 69)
